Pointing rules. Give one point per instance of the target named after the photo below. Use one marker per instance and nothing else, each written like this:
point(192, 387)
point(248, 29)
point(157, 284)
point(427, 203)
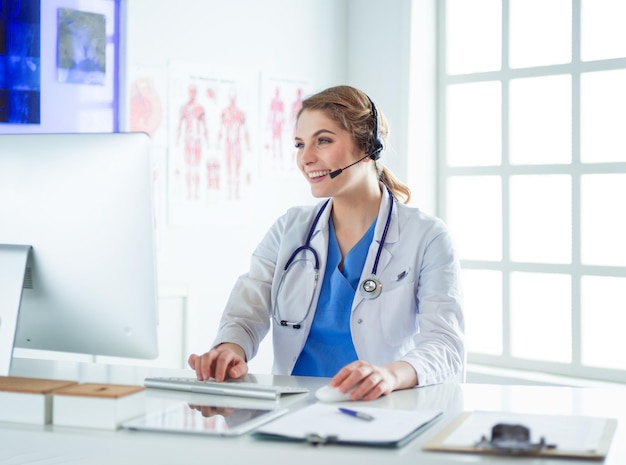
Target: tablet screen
point(202, 419)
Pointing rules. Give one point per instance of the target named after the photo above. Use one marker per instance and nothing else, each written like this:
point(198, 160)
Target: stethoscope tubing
point(364, 286)
point(307, 244)
point(384, 236)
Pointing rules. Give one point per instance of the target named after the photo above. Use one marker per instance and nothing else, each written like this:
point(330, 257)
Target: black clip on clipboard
point(319, 440)
point(512, 440)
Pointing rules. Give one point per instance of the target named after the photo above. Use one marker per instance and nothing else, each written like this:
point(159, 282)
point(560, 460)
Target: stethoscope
point(369, 288)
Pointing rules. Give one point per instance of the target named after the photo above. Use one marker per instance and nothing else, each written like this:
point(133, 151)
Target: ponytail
point(400, 191)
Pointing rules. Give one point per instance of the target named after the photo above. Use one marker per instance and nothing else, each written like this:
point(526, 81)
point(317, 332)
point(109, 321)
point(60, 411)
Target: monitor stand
point(13, 264)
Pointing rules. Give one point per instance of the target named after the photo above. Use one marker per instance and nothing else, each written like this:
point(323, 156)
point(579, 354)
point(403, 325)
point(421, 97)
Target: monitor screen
point(83, 204)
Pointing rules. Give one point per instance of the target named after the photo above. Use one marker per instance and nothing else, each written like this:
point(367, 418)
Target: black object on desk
point(512, 439)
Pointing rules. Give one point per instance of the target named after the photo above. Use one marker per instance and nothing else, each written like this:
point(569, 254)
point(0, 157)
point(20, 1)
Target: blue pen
point(354, 413)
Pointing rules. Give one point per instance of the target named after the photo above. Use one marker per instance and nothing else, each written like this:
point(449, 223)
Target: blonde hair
point(352, 110)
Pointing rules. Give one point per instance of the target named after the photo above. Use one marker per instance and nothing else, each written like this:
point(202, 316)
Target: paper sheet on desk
point(389, 427)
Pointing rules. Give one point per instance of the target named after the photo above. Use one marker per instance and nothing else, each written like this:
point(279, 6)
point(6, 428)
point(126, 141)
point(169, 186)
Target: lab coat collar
point(394, 231)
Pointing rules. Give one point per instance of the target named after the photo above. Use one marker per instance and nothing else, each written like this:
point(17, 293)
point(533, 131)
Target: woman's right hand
point(225, 361)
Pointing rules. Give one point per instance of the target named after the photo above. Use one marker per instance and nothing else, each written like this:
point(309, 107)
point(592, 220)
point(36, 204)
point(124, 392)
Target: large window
point(532, 139)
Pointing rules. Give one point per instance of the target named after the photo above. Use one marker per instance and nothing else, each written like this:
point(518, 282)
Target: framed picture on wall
point(20, 60)
point(81, 47)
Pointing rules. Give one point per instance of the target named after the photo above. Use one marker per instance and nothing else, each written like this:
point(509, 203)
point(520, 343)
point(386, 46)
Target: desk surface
point(52, 444)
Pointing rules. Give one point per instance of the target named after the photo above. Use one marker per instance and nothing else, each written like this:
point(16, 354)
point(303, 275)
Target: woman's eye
point(299, 145)
point(323, 141)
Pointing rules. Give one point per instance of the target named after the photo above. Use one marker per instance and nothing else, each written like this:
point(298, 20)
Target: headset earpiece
point(375, 145)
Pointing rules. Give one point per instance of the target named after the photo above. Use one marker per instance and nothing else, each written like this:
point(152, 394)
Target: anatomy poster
point(281, 99)
point(146, 93)
point(212, 163)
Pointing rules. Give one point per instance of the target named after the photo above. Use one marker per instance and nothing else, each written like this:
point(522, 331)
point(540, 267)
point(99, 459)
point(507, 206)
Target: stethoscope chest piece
point(370, 288)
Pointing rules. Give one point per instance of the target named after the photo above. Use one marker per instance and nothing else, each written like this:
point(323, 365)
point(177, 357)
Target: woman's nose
point(307, 154)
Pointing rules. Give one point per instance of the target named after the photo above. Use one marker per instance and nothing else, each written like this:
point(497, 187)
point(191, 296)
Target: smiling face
point(323, 146)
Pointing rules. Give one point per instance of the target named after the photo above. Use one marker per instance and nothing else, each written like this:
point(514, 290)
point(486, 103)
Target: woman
point(360, 287)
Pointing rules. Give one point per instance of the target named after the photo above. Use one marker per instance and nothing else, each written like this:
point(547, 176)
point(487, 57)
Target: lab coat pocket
point(397, 312)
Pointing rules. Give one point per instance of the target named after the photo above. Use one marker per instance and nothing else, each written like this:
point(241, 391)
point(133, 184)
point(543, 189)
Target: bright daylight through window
point(532, 178)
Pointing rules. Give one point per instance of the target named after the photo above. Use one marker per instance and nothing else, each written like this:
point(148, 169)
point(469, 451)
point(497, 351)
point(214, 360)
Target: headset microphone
point(334, 174)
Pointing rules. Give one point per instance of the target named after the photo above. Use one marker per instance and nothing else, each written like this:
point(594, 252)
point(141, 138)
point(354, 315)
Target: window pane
point(541, 219)
point(473, 125)
point(603, 34)
point(483, 311)
point(541, 316)
point(474, 215)
point(603, 116)
point(541, 120)
point(603, 224)
point(603, 318)
point(540, 32)
point(473, 36)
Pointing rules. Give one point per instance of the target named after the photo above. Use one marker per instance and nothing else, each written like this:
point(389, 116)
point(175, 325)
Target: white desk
point(21, 444)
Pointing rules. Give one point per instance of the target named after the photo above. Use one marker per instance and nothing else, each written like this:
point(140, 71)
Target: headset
point(375, 144)
point(374, 147)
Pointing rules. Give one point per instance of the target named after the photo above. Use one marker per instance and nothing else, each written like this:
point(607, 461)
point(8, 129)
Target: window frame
point(576, 270)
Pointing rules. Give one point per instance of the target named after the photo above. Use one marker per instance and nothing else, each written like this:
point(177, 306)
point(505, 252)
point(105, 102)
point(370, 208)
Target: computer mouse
point(331, 394)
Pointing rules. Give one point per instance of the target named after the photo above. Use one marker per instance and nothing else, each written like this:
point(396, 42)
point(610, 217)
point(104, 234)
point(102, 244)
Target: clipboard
point(322, 424)
point(568, 436)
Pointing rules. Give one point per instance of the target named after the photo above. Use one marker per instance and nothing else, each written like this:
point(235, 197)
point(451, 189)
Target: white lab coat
point(417, 318)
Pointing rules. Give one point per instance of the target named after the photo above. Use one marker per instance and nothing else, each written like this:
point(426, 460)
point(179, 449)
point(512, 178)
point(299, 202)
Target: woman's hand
point(369, 382)
point(225, 361)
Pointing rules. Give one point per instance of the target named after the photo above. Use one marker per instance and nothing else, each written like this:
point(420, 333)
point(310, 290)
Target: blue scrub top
point(329, 346)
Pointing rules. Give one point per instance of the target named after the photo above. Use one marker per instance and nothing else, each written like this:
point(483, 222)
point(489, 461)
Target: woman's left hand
point(365, 381)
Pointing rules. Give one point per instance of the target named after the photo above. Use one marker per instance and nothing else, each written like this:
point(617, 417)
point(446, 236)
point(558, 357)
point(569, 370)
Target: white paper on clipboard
point(389, 428)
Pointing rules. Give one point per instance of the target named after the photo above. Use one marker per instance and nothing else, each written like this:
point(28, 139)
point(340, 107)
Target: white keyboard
point(226, 388)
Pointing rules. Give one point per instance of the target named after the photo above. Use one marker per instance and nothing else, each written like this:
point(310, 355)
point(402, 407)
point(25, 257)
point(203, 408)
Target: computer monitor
point(77, 236)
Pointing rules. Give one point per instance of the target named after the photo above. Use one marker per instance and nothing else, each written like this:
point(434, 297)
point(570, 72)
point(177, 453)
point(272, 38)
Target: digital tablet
point(204, 420)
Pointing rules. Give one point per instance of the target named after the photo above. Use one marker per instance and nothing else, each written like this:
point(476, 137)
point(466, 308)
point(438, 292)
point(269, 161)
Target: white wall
point(378, 63)
point(365, 43)
point(304, 37)
point(392, 56)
